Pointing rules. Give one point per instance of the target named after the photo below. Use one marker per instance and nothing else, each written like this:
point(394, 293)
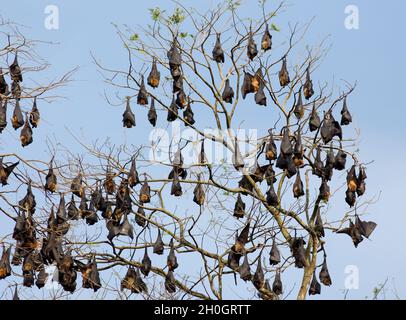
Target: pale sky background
point(373, 56)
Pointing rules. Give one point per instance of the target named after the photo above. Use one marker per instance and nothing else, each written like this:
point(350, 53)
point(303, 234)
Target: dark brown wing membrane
point(159, 244)
point(314, 120)
point(3, 114)
point(286, 146)
point(239, 208)
point(145, 196)
point(132, 177)
point(324, 275)
point(26, 134)
point(152, 115)
point(5, 266)
point(353, 232)
point(252, 50)
point(365, 227)
point(277, 287)
point(260, 98)
point(15, 70)
point(284, 74)
point(34, 114)
point(154, 75)
point(266, 42)
point(17, 120)
point(218, 53)
point(238, 161)
point(298, 190)
point(274, 255)
point(243, 236)
point(308, 86)
point(50, 179)
point(228, 92)
point(299, 110)
point(298, 252)
point(247, 85)
point(188, 115)
point(315, 287)
point(128, 116)
point(258, 280)
point(271, 152)
point(170, 283)
point(172, 111)
point(340, 160)
point(318, 224)
point(244, 270)
point(346, 118)
point(271, 196)
point(142, 97)
point(4, 90)
point(172, 261)
point(198, 194)
point(146, 264)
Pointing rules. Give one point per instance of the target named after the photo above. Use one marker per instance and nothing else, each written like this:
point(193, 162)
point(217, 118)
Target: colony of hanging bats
point(110, 200)
point(13, 93)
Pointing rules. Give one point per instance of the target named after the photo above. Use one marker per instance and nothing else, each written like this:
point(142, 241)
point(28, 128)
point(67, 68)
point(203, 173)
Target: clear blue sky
point(373, 56)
